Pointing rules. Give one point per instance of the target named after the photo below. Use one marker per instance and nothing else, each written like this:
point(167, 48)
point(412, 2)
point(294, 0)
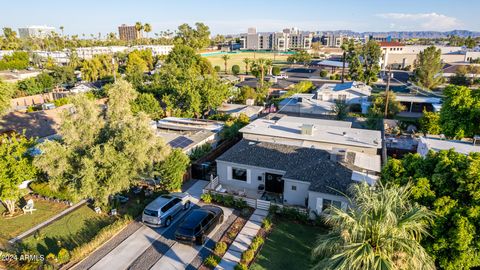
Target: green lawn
point(70, 231)
point(289, 246)
point(11, 227)
point(237, 59)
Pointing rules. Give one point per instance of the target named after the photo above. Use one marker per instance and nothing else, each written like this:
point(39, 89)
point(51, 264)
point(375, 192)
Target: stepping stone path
point(243, 240)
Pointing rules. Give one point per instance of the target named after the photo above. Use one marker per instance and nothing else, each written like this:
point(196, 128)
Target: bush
point(61, 101)
point(323, 73)
point(44, 189)
point(51, 258)
point(247, 256)
point(220, 248)
point(206, 197)
point(267, 224)
point(241, 266)
point(235, 69)
point(240, 204)
point(217, 68)
point(211, 261)
point(200, 151)
point(293, 214)
point(63, 256)
point(256, 243)
point(276, 71)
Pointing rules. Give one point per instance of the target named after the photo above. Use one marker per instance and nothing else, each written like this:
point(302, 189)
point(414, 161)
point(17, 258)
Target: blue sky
point(93, 16)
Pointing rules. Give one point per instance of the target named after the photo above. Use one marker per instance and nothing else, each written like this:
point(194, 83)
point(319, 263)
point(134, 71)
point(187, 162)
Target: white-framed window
point(327, 203)
point(294, 187)
point(239, 174)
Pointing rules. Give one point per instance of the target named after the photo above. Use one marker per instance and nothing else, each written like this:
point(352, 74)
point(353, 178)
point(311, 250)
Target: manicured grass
point(237, 59)
point(11, 227)
point(70, 231)
point(289, 246)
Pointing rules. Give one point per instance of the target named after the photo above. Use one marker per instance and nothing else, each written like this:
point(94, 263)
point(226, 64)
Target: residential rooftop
point(438, 144)
point(324, 131)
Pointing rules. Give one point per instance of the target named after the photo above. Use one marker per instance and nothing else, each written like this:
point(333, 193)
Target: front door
point(273, 183)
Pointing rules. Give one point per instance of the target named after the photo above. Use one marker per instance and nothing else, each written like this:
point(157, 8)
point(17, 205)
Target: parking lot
point(156, 248)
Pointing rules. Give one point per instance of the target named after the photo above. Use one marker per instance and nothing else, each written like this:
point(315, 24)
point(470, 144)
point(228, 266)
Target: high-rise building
point(127, 32)
point(286, 40)
point(35, 31)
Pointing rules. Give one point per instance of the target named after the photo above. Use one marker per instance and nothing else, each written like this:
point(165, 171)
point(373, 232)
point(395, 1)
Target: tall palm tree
point(262, 65)
point(147, 28)
point(61, 29)
point(138, 26)
point(247, 62)
point(225, 58)
point(382, 230)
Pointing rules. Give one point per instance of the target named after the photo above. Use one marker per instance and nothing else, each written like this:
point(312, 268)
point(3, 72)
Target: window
point(294, 187)
point(328, 203)
point(167, 206)
point(239, 174)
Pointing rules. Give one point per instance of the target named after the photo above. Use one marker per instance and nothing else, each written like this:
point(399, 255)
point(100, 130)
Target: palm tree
point(262, 65)
point(61, 29)
point(382, 230)
point(138, 26)
point(225, 58)
point(247, 62)
point(147, 28)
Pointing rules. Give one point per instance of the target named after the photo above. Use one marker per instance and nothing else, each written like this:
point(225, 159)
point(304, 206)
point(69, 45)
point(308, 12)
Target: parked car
point(163, 209)
point(282, 75)
point(198, 224)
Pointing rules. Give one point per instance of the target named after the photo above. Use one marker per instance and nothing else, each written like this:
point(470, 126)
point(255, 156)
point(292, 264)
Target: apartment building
point(129, 32)
point(331, 40)
point(89, 52)
point(288, 39)
point(35, 31)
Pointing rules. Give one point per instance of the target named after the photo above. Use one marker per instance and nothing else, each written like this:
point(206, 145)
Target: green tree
point(135, 69)
point(379, 102)
point(17, 60)
point(430, 123)
point(233, 125)
point(138, 26)
point(428, 68)
point(7, 90)
point(15, 167)
point(260, 67)
point(276, 71)
point(172, 169)
point(382, 230)
point(247, 63)
point(147, 103)
point(447, 183)
point(459, 116)
point(371, 54)
point(197, 38)
point(101, 155)
point(340, 109)
point(225, 59)
point(147, 28)
point(63, 75)
point(235, 69)
point(300, 57)
point(246, 92)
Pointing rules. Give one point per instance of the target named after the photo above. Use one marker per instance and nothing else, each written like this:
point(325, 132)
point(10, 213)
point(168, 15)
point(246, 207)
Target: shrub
point(273, 210)
point(51, 257)
point(235, 69)
point(267, 224)
point(323, 73)
point(61, 101)
point(276, 71)
point(63, 256)
point(211, 261)
point(247, 256)
point(200, 151)
point(228, 200)
point(220, 248)
point(240, 204)
point(256, 243)
point(241, 266)
point(44, 189)
point(206, 197)
point(217, 68)
point(232, 234)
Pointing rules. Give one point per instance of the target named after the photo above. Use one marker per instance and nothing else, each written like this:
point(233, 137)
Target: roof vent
point(307, 129)
point(338, 154)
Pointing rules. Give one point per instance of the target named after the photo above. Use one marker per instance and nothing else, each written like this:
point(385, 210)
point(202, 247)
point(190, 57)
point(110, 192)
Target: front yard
point(70, 231)
point(288, 247)
point(13, 226)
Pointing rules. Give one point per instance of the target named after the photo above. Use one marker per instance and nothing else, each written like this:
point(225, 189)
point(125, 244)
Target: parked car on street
point(198, 224)
point(163, 209)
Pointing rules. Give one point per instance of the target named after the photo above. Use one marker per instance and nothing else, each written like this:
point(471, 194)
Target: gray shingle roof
point(298, 163)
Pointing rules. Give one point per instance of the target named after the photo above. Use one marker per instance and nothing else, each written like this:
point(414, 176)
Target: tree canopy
point(101, 153)
point(7, 90)
point(197, 38)
point(447, 183)
point(172, 169)
point(428, 68)
point(362, 60)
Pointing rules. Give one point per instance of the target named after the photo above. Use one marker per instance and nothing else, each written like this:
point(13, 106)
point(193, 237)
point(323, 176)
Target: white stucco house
point(426, 144)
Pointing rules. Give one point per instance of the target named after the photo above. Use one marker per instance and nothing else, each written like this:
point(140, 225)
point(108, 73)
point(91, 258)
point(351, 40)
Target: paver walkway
point(243, 240)
point(46, 222)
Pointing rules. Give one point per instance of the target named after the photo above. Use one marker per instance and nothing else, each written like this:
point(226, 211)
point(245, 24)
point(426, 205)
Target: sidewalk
point(243, 241)
point(46, 222)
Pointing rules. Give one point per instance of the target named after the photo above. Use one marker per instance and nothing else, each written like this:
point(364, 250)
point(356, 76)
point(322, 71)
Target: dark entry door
point(273, 183)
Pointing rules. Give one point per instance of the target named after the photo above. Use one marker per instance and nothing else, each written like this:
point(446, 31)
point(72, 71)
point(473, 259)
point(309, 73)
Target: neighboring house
point(301, 162)
point(82, 88)
point(418, 104)
point(450, 70)
point(425, 144)
point(305, 104)
point(236, 109)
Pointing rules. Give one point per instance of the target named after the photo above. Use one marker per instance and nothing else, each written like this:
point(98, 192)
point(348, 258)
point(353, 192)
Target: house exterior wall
point(315, 201)
point(297, 197)
point(253, 174)
point(302, 143)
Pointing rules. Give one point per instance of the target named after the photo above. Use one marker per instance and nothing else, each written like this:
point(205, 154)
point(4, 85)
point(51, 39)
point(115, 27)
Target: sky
point(229, 17)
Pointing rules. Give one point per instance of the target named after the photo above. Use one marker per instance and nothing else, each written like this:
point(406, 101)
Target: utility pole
point(343, 67)
point(387, 90)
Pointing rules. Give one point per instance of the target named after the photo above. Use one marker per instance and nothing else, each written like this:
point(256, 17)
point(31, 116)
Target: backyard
point(70, 231)
point(237, 59)
point(288, 247)
point(12, 227)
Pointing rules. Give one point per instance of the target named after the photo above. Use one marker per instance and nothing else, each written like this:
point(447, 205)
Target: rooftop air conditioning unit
point(307, 129)
point(338, 154)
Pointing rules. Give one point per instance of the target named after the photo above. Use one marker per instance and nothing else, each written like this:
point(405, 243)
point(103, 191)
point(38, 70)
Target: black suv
point(198, 224)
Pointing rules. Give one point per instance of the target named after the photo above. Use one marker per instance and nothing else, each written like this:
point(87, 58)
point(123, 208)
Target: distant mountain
point(408, 34)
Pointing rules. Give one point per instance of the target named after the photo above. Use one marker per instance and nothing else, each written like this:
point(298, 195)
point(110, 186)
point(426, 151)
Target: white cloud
point(422, 21)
